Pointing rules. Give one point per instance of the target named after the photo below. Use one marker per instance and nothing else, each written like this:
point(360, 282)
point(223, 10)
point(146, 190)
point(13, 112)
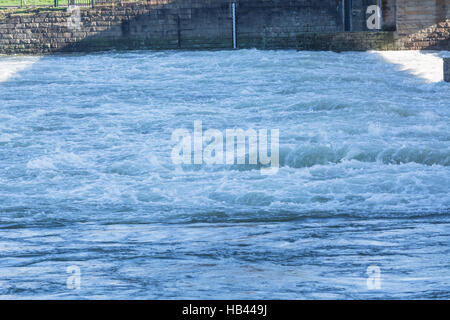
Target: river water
point(87, 182)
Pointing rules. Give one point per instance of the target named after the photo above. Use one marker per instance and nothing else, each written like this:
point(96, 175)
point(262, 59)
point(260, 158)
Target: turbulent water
point(87, 180)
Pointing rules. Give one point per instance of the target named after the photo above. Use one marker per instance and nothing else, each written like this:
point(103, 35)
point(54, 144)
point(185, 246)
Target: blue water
point(86, 178)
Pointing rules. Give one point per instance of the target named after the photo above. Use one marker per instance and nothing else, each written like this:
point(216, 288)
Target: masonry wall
point(207, 24)
point(171, 24)
point(423, 24)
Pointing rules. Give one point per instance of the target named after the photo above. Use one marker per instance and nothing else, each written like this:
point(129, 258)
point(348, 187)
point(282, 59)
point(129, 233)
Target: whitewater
point(87, 179)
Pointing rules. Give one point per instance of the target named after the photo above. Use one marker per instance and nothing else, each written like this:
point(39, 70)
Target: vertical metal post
point(350, 15)
point(179, 31)
point(380, 5)
point(233, 9)
point(347, 4)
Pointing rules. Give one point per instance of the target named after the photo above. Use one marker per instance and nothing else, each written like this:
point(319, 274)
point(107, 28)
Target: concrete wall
point(207, 24)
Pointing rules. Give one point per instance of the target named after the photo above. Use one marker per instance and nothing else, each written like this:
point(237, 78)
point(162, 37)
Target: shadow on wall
point(154, 24)
point(181, 24)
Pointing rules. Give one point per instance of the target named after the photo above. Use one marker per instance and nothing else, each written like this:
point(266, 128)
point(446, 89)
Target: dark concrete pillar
point(447, 69)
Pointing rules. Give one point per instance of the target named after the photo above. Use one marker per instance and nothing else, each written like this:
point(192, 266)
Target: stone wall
point(207, 24)
point(423, 24)
point(170, 24)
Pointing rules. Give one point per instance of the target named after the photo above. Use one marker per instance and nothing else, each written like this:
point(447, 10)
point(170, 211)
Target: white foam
point(426, 65)
point(374, 141)
point(41, 163)
point(9, 66)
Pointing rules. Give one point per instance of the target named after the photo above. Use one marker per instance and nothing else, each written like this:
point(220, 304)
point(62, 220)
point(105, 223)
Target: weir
point(337, 25)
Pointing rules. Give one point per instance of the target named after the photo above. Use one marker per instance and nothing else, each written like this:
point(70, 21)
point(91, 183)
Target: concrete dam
point(337, 25)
